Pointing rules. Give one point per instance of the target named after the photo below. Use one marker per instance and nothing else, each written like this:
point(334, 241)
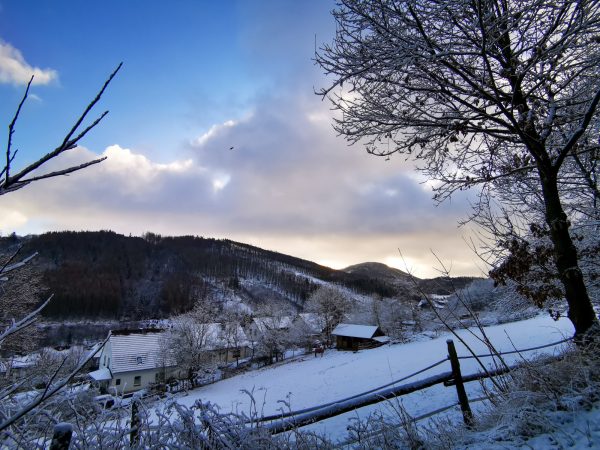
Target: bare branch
point(18, 181)
point(580, 131)
point(11, 130)
point(25, 322)
point(7, 268)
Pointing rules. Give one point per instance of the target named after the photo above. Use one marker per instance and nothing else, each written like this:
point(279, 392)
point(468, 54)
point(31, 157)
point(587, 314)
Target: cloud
point(288, 184)
point(15, 70)
point(211, 133)
point(12, 219)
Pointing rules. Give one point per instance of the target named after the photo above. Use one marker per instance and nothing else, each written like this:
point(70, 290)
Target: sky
point(214, 130)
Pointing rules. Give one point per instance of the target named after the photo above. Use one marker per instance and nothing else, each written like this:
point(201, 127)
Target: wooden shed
point(354, 337)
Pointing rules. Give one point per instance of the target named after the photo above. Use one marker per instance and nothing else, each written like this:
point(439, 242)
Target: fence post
point(460, 387)
point(134, 437)
point(61, 439)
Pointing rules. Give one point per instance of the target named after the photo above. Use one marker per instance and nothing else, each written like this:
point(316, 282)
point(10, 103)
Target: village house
point(261, 325)
point(134, 359)
point(314, 322)
point(358, 337)
point(18, 367)
point(226, 342)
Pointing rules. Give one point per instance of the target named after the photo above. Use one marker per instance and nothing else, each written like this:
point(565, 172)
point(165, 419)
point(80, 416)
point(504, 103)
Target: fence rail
point(284, 415)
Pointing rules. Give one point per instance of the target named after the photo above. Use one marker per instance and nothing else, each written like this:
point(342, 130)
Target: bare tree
point(480, 93)
point(269, 330)
point(232, 334)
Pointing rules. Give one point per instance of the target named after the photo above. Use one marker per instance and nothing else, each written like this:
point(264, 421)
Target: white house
point(133, 359)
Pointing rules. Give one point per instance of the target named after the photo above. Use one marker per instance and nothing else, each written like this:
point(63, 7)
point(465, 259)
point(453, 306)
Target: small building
point(314, 322)
point(357, 337)
point(261, 325)
point(18, 367)
point(227, 342)
point(134, 359)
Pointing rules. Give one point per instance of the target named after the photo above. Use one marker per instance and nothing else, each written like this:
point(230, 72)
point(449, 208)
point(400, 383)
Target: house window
point(137, 381)
point(117, 382)
point(139, 360)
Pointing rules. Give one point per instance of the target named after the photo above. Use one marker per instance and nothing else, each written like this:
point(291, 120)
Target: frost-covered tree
point(331, 305)
point(269, 331)
point(480, 93)
point(188, 341)
point(232, 335)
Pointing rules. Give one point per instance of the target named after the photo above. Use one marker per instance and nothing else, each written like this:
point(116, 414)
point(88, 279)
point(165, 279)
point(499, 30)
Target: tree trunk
point(581, 312)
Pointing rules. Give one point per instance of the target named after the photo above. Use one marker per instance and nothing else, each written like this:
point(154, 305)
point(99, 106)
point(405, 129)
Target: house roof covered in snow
point(137, 350)
point(357, 331)
point(314, 321)
point(220, 336)
point(19, 362)
point(272, 323)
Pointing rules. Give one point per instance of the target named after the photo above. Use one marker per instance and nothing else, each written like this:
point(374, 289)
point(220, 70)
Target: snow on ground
point(576, 431)
point(310, 381)
point(573, 430)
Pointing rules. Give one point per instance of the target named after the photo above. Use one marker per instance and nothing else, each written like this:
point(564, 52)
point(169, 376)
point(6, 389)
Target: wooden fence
point(279, 423)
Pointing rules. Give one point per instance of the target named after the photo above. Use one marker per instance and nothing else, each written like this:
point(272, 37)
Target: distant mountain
point(382, 272)
point(378, 270)
point(396, 277)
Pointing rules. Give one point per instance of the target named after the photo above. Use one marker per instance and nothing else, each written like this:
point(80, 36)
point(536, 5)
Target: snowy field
point(310, 381)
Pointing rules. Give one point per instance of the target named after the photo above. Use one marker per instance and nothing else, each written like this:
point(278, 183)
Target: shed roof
point(357, 331)
point(101, 374)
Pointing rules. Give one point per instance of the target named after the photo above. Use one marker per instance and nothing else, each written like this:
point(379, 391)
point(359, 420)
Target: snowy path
point(313, 381)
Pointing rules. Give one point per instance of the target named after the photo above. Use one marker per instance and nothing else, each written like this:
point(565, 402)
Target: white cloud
point(124, 160)
point(35, 97)
point(214, 131)
point(12, 219)
point(15, 70)
point(220, 181)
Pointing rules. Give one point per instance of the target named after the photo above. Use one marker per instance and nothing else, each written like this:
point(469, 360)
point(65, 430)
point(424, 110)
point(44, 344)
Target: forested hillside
point(107, 275)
